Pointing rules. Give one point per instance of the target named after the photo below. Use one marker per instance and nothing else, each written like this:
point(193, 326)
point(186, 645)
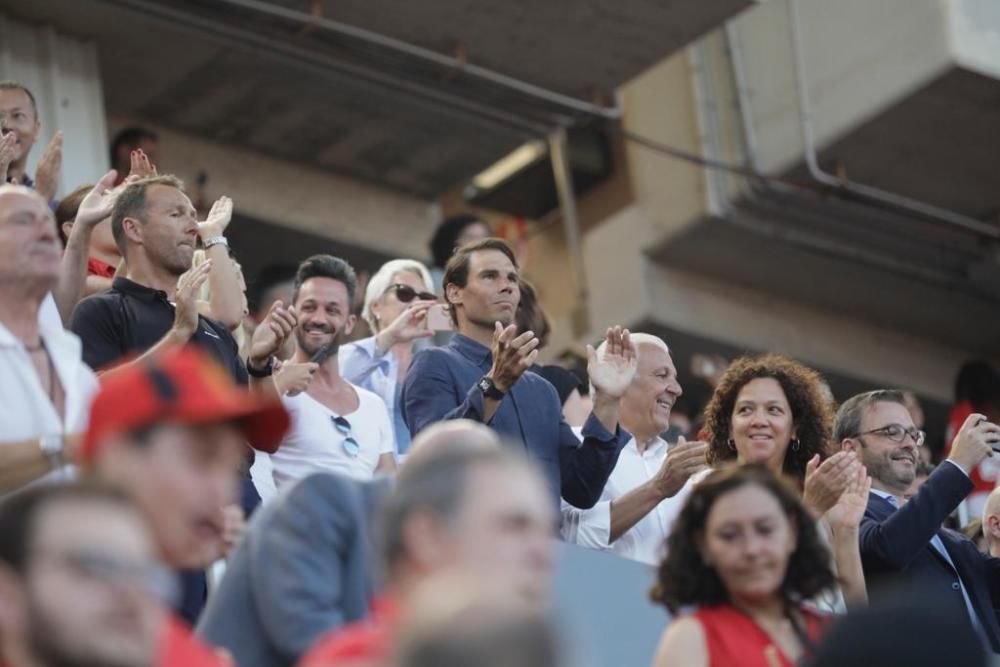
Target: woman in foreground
point(741, 560)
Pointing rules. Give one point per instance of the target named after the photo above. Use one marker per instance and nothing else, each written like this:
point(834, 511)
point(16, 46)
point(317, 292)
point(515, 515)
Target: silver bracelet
point(216, 240)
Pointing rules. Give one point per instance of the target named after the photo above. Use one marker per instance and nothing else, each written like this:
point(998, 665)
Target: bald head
point(991, 522)
point(30, 251)
point(453, 433)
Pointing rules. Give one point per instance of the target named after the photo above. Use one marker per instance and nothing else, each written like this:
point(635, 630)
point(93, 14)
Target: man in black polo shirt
point(154, 307)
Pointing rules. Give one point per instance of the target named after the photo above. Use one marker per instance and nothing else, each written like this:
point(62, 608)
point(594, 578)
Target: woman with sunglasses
point(773, 411)
point(396, 303)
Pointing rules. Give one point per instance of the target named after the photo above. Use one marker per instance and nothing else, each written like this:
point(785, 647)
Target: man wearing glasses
point(336, 426)
point(903, 542)
point(80, 584)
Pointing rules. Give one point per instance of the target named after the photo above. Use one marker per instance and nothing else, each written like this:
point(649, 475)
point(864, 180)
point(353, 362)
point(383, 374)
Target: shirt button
point(955, 586)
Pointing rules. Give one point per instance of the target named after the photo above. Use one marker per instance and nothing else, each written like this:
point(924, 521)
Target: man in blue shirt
point(482, 375)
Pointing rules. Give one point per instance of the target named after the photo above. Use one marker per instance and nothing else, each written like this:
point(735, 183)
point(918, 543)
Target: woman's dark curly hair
point(685, 579)
point(812, 412)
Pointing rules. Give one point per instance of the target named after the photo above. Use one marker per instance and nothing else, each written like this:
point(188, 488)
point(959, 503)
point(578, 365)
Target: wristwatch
point(489, 389)
point(216, 240)
point(261, 372)
point(52, 446)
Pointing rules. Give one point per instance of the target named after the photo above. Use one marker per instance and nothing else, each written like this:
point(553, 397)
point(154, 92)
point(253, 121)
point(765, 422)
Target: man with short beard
point(336, 426)
point(902, 542)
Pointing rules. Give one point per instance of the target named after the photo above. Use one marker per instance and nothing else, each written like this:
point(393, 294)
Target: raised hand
point(974, 442)
point(99, 202)
point(268, 337)
point(847, 513)
point(613, 372)
point(218, 219)
point(409, 326)
point(7, 145)
point(186, 300)
point(683, 460)
point(825, 482)
point(140, 166)
point(293, 378)
point(512, 355)
point(49, 166)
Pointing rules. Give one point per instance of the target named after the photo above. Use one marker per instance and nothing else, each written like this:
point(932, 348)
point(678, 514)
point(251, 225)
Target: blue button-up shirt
point(361, 364)
point(442, 384)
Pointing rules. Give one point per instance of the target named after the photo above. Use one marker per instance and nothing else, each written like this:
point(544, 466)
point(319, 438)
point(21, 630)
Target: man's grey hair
point(847, 423)
point(435, 483)
point(381, 281)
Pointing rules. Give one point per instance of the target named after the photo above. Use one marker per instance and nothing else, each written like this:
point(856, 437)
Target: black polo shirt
point(130, 318)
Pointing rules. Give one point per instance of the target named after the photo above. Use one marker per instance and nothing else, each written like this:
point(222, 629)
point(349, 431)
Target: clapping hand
point(613, 372)
point(683, 460)
point(140, 166)
point(217, 221)
point(49, 166)
point(825, 482)
point(512, 355)
point(272, 332)
point(186, 300)
point(99, 202)
point(7, 146)
point(847, 513)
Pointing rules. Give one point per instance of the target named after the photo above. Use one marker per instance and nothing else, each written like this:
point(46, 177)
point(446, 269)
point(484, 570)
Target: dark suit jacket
point(441, 384)
point(896, 548)
point(303, 568)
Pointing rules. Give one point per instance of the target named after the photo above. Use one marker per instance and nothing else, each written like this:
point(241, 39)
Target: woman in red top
point(744, 553)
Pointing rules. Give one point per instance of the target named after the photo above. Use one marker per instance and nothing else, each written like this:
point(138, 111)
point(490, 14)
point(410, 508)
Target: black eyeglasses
point(897, 433)
point(351, 446)
point(406, 294)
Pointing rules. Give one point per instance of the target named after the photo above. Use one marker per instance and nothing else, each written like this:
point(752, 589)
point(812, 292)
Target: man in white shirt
point(45, 388)
point(649, 483)
point(336, 426)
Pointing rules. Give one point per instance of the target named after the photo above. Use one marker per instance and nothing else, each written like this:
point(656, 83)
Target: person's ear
point(66, 228)
point(132, 228)
point(850, 445)
point(349, 324)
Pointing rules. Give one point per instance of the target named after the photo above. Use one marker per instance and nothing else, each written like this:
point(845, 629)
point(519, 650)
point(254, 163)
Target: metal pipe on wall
point(558, 154)
point(866, 192)
point(419, 52)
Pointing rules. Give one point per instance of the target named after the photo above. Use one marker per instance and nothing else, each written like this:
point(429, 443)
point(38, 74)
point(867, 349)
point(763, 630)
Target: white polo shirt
point(646, 540)
point(314, 443)
point(26, 411)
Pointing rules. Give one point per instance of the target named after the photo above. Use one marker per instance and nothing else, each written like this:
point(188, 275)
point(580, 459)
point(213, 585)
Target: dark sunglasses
point(406, 294)
point(351, 446)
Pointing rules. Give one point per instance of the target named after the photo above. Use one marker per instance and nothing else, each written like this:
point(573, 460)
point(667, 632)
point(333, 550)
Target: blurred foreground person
point(79, 582)
point(479, 510)
point(745, 553)
point(320, 530)
point(466, 621)
point(900, 631)
point(170, 431)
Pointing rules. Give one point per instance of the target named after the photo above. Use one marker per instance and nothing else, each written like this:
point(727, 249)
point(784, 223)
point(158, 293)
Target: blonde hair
point(382, 279)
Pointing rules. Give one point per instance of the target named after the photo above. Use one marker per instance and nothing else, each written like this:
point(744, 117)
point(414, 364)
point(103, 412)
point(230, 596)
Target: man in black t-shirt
point(153, 308)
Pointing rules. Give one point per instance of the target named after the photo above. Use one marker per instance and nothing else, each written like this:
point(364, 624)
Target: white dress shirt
point(645, 541)
point(26, 410)
point(315, 444)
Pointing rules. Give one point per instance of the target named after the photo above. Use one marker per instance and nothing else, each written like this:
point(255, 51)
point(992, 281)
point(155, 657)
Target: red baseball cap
point(186, 386)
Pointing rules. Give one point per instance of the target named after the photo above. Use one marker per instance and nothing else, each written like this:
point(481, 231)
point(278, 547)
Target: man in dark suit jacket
point(304, 567)
point(482, 375)
point(903, 542)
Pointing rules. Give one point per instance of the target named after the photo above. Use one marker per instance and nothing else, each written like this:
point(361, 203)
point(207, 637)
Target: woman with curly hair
point(774, 411)
point(743, 556)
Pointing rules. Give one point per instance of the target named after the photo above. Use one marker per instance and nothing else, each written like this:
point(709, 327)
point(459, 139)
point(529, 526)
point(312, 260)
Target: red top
point(180, 648)
point(733, 639)
point(369, 640)
point(96, 267)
